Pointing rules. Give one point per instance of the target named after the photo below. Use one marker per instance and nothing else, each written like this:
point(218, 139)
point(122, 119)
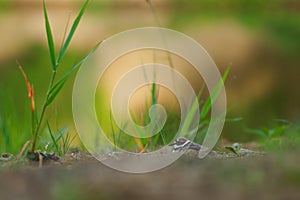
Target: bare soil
point(79, 176)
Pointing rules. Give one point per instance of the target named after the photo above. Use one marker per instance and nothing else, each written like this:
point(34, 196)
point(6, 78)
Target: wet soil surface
point(80, 176)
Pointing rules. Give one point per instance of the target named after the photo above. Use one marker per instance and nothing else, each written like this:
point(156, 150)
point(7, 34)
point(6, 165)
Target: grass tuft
point(54, 87)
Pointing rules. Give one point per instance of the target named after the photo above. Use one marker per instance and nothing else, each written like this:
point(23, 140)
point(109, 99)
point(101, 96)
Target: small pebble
point(6, 157)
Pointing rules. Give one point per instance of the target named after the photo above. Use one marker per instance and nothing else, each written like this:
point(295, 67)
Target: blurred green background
point(259, 39)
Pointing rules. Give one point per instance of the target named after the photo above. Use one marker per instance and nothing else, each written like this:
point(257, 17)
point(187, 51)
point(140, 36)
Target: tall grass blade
point(65, 32)
point(207, 105)
point(52, 137)
point(258, 132)
point(188, 120)
point(54, 91)
point(76, 66)
point(67, 143)
point(71, 33)
point(61, 132)
point(153, 94)
point(49, 38)
point(59, 85)
point(55, 141)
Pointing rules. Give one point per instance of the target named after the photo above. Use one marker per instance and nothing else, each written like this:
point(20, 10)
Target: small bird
point(182, 143)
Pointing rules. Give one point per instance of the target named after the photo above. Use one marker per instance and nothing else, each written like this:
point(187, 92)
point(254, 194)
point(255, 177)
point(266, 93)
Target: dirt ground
point(79, 176)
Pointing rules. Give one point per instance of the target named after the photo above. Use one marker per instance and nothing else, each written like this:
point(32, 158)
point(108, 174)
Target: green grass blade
point(278, 131)
point(237, 119)
point(203, 123)
point(207, 105)
point(59, 85)
point(49, 38)
point(77, 65)
point(61, 133)
point(65, 32)
point(71, 33)
point(54, 91)
point(52, 138)
point(113, 131)
point(188, 120)
point(153, 94)
point(258, 132)
point(67, 143)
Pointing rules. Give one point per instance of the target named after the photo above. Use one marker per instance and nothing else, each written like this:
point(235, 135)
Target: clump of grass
point(265, 133)
point(61, 140)
point(167, 134)
point(282, 136)
point(55, 86)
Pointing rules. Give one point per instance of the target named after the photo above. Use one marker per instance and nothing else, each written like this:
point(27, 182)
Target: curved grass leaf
point(80, 63)
point(54, 91)
point(59, 85)
point(65, 32)
point(71, 33)
point(66, 143)
point(49, 38)
point(208, 103)
point(52, 137)
point(258, 132)
point(55, 141)
point(61, 132)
